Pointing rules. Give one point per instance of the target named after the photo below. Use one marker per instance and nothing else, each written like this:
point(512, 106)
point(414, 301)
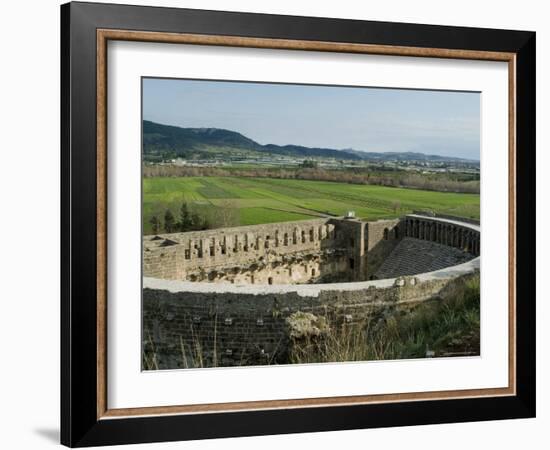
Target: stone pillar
point(204, 248)
point(212, 251)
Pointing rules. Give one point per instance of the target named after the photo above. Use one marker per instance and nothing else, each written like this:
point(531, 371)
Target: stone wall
point(382, 237)
point(312, 251)
point(203, 325)
point(291, 252)
point(452, 232)
point(447, 216)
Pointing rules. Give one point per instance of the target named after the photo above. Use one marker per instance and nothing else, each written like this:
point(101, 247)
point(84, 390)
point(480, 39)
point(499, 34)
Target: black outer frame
point(79, 424)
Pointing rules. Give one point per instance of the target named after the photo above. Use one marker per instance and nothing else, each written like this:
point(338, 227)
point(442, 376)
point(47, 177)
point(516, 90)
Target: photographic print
point(297, 224)
point(271, 224)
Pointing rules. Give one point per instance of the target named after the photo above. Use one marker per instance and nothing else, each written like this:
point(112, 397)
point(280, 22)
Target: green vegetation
point(232, 201)
point(447, 327)
point(458, 180)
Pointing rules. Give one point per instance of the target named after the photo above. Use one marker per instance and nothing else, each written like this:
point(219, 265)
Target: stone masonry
point(312, 251)
point(224, 297)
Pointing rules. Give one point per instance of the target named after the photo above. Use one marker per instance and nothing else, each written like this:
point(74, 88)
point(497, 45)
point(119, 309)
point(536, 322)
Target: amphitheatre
point(238, 293)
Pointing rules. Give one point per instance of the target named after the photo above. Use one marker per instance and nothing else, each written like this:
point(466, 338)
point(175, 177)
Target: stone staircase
point(413, 256)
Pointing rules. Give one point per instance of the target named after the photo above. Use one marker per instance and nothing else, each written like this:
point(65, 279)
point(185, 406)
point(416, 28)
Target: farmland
point(265, 200)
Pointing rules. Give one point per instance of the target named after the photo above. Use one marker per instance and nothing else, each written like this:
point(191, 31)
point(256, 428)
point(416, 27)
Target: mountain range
point(167, 141)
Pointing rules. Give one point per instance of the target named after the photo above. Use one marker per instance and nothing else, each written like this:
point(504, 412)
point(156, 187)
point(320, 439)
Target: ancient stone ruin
point(236, 292)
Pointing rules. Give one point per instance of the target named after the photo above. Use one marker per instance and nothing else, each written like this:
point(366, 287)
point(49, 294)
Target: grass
point(267, 200)
point(447, 327)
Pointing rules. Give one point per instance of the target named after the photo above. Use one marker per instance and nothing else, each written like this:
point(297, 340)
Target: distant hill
point(405, 156)
point(166, 141)
point(170, 141)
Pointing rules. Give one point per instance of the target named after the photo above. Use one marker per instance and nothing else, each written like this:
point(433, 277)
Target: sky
point(362, 118)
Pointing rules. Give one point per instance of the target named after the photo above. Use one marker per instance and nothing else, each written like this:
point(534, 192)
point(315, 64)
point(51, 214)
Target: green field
point(265, 200)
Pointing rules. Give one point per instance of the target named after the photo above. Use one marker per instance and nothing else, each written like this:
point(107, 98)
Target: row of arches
point(444, 233)
point(255, 242)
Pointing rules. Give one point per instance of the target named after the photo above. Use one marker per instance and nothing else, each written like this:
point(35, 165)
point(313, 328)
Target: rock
point(304, 325)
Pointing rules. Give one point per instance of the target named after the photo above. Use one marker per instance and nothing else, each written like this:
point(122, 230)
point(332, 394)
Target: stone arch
point(455, 235)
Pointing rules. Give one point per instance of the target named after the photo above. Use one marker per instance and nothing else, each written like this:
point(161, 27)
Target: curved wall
point(444, 230)
point(248, 324)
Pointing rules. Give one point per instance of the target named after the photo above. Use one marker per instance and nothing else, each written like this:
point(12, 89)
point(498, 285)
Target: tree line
point(187, 221)
point(190, 219)
point(404, 179)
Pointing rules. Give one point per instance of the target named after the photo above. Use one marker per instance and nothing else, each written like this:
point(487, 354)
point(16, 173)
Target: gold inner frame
point(104, 35)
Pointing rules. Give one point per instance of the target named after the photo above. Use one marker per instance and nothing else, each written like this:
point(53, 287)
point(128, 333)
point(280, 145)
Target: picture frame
point(86, 29)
